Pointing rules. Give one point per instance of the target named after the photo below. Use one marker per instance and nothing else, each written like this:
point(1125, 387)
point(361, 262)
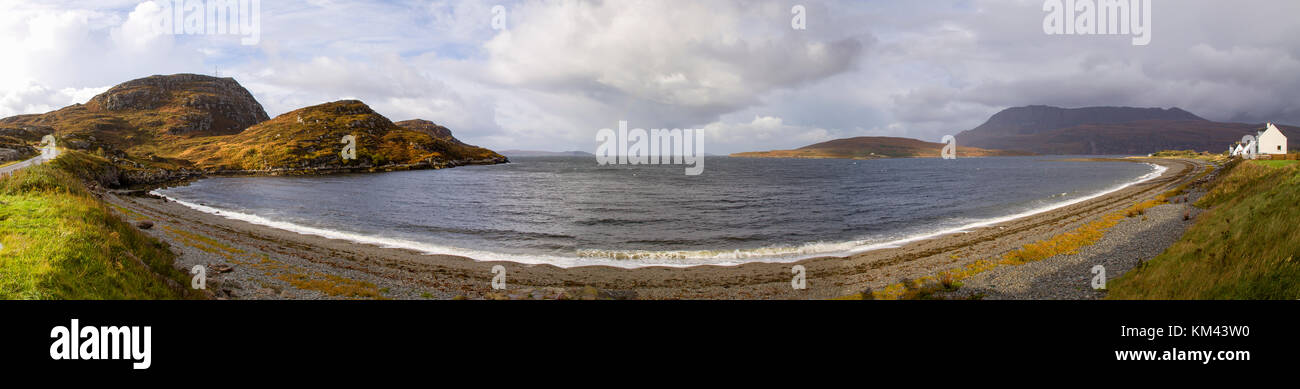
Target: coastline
point(405, 273)
point(633, 259)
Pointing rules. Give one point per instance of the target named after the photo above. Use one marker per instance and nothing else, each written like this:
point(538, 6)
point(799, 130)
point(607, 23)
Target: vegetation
point(1276, 162)
point(1180, 153)
point(311, 138)
point(1216, 158)
point(60, 242)
point(1243, 247)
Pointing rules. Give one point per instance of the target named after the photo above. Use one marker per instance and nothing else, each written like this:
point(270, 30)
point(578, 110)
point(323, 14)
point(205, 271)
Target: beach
point(249, 261)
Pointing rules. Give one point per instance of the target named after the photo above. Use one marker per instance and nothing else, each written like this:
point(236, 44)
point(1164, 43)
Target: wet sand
point(258, 262)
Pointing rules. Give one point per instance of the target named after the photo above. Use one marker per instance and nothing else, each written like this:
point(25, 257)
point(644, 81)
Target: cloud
point(764, 133)
point(564, 68)
point(688, 64)
point(140, 32)
point(33, 97)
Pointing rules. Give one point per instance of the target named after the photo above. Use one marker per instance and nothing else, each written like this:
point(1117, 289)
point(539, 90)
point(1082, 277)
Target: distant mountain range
point(1106, 130)
point(537, 153)
point(875, 147)
point(1040, 129)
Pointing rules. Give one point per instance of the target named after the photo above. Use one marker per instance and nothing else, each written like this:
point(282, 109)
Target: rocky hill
point(1106, 131)
point(312, 139)
point(869, 147)
point(162, 128)
point(137, 116)
point(185, 104)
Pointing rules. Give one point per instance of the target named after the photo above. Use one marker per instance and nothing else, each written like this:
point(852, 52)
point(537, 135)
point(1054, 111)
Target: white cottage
point(1270, 141)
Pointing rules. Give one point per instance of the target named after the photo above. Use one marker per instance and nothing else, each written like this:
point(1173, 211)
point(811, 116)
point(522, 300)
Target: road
point(48, 153)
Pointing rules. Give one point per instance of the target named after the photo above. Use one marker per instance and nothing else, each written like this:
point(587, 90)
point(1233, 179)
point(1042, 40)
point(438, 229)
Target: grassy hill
point(868, 147)
point(1243, 247)
point(311, 138)
point(142, 117)
point(61, 242)
point(163, 128)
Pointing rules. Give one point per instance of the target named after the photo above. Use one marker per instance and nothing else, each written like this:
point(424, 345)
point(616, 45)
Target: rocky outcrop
point(312, 139)
point(428, 127)
point(27, 133)
point(14, 153)
point(15, 149)
point(208, 105)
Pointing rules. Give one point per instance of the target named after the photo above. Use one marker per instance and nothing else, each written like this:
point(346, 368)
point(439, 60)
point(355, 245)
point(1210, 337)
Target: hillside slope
point(138, 116)
point(1243, 247)
point(58, 240)
point(311, 138)
point(429, 128)
point(871, 147)
point(1136, 138)
point(1106, 130)
point(1035, 119)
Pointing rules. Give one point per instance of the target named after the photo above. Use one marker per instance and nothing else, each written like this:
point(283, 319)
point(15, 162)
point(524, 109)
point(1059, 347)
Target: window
point(1279, 147)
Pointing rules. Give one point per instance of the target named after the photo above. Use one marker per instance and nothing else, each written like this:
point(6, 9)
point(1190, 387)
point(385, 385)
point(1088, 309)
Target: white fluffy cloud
point(57, 56)
point(32, 97)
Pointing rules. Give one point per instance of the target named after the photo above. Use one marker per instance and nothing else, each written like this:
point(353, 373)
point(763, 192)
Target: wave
point(669, 258)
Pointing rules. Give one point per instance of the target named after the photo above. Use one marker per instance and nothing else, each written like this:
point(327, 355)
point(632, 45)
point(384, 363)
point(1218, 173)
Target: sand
point(268, 263)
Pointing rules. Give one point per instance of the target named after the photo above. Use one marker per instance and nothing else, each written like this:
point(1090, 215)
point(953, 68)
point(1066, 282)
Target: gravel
point(1129, 243)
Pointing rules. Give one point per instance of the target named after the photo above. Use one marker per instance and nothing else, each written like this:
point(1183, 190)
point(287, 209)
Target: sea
point(571, 211)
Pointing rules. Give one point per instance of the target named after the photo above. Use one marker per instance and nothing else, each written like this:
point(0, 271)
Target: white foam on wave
point(641, 258)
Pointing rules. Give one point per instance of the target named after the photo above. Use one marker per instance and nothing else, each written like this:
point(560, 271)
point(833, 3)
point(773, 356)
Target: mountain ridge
point(1105, 131)
point(875, 147)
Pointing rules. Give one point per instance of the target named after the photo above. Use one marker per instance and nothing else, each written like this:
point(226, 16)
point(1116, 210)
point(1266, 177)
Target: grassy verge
point(60, 242)
point(1276, 163)
point(1243, 247)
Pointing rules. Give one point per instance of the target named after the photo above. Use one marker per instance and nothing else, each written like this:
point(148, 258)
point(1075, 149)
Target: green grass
point(1243, 247)
point(60, 242)
point(1181, 154)
point(1275, 163)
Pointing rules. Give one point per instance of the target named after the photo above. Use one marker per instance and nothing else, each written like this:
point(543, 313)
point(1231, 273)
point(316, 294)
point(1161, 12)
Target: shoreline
point(686, 258)
point(406, 273)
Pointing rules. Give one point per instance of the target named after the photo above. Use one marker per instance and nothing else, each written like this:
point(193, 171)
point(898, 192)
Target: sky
point(547, 75)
